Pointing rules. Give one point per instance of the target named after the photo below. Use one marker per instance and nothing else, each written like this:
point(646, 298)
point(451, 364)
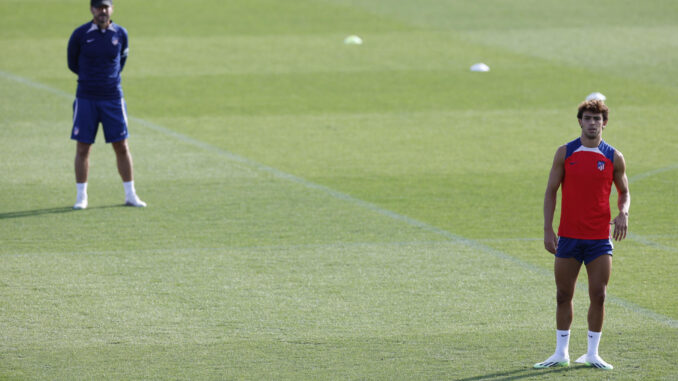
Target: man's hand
point(550, 240)
point(621, 226)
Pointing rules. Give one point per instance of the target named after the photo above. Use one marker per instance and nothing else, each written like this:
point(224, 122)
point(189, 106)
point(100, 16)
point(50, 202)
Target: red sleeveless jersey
point(585, 204)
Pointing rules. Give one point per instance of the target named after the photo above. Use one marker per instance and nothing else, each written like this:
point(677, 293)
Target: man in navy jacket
point(97, 52)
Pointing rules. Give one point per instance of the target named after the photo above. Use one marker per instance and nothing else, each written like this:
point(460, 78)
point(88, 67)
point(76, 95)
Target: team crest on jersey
point(114, 40)
point(601, 165)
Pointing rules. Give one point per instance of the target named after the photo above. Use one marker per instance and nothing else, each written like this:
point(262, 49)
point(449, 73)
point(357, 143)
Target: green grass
point(322, 211)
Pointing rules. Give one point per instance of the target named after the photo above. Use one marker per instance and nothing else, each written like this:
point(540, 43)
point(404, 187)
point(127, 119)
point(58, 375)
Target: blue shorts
point(88, 113)
point(583, 250)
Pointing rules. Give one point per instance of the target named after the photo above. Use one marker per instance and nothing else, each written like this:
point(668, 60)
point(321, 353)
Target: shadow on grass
point(40, 212)
point(523, 374)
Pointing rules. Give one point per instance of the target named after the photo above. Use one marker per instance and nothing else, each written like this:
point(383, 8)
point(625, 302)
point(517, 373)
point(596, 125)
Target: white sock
point(594, 340)
point(563, 343)
point(82, 190)
point(129, 189)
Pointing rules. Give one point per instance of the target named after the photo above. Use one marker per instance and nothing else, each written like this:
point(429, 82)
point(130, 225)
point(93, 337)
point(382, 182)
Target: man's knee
point(564, 296)
point(82, 150)
point(597, 296)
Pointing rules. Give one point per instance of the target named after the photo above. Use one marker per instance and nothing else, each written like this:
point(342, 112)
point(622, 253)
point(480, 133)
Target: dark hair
point(594, 106)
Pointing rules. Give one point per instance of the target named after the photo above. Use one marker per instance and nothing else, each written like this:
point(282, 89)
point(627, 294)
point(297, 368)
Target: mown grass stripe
point(350, 199)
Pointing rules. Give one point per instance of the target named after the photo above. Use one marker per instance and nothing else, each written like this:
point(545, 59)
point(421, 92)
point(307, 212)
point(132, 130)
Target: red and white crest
point(601, 165)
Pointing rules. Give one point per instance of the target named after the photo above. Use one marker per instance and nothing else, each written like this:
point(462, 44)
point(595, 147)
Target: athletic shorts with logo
point(88, 113)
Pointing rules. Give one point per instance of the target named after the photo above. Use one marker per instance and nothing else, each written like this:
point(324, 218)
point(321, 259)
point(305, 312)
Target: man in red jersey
point(586, 168)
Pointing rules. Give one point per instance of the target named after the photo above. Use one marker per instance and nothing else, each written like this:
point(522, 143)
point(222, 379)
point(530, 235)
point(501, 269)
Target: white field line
point(647, 242)
point(350, 199)
point(657, 171)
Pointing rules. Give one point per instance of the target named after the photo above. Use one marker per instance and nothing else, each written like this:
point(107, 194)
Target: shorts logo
point(76, 131)
point(114, 40)
point(601, 165)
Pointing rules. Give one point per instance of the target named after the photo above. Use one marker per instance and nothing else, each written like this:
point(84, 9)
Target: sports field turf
point(324, 211)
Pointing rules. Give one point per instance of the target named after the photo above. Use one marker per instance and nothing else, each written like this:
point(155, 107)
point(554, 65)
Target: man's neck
point(590, 143)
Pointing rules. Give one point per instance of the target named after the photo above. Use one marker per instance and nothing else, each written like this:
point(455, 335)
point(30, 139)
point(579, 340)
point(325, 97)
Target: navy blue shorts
point(88, 113)
point(583, 250)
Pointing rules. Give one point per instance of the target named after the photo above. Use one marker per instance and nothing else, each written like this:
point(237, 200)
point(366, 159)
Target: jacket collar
point(94, 27)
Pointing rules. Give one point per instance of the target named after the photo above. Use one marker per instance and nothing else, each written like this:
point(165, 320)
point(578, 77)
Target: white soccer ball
point(353, 40)
point(596, 96)
point(481, 67)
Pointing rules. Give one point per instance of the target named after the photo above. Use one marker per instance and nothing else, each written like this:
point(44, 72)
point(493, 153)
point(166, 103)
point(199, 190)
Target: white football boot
point(594, 361)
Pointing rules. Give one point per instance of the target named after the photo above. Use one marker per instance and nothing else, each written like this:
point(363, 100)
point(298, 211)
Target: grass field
point(324, 211)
